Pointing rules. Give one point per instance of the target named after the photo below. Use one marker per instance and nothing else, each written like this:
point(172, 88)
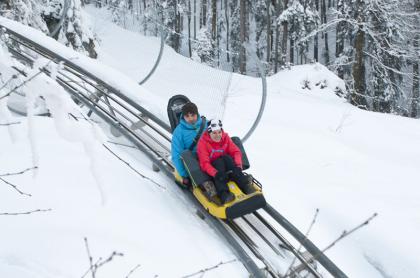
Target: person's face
point(216, 135)
point(190, 118)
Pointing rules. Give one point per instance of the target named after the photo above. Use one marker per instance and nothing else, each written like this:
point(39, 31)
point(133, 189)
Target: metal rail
point(315, 252)
point(106, 112)
point(110, 119)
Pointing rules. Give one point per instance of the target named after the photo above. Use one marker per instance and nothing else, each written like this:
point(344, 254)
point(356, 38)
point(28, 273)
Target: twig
point(82, 118)
point(209, 268)
point(300, 246)
point(27, 212)
point(131, 271)
point(120, 144)
point(15, 187)
point(345, 233)
point(18, 173)
point(90, 258)
point(90, 268)
point(13, 123)
point(95, 266)
point(113, 254)
point(131, 167)
point(14, 76)
point(23, 83)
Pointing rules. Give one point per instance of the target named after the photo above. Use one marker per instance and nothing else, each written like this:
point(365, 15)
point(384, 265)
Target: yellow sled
point(242, 203)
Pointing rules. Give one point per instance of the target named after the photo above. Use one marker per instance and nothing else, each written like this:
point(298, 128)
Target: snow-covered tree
point(27, 12)
point(301, 19)
point(46, 14)
point(75, 32)
point(203, 47)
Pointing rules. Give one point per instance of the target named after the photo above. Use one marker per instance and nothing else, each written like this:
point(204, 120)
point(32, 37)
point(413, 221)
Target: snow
point(311, 150)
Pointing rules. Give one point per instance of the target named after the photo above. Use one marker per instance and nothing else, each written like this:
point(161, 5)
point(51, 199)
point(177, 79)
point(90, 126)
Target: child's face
point(190, 118)
point(216, 135)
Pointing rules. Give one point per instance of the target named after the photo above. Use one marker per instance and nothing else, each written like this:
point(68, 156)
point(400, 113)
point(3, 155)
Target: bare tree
point(359, 90)
point(285, 36)
point(227, 30)
point(316, 36)
point(416, 86)
point(189, 28)
point(243, 35)
point(325, 34)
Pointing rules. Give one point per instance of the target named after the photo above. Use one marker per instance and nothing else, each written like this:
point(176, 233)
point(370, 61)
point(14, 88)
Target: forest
point(373, 45)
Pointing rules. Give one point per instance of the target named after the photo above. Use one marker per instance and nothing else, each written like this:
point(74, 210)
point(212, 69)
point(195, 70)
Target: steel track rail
point(288, 245)
point(162, 162)
point(167, 168)
point(18, 38)
point(312, 249)
point(252, 247)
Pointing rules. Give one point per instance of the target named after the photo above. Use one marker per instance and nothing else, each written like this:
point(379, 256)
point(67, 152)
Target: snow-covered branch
point(347, 233)
point(100, 262)
point(15, 187)
point(132, 168)
point(9, 124)
point(19, 173)
point(290, 270)
point(25, 213)
point(132, 270)
point(24, 82)
point(208, 269)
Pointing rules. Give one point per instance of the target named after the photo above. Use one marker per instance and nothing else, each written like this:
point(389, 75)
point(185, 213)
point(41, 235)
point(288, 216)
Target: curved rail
point(107, 116)
point(263, 96)
point(119, 111)
point(60, 22)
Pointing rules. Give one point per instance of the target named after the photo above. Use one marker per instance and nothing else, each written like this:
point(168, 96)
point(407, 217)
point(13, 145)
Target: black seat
point(175, 105)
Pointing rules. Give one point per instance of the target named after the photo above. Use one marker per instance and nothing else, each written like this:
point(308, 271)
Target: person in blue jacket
point(183, 137)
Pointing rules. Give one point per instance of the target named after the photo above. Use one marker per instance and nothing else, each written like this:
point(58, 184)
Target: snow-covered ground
point(311, 150)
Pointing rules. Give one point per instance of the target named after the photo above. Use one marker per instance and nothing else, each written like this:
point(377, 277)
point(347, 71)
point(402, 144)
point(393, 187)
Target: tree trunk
point(324, 20)
point(145, 18)
point(277, 41)
point(316, 35)
point(339, 38)
point(416, 73)
point(359, 92)
point(242, 52)
point(292, 49)
point(227, 30)
point(269, 37)
point(195, 19)
point(189, 29)
point(203, 14)
point(285, 35)
point(177, 29)
point(213, 19)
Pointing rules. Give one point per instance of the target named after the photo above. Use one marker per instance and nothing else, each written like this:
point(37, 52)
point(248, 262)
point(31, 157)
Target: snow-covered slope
point(311, 150)
point(91, 195)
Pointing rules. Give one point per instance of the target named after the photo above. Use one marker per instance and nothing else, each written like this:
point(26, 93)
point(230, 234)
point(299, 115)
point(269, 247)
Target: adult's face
point(190, 118)
point(216, 135)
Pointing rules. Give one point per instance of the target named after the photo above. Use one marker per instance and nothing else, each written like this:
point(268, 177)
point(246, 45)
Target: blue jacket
point(182, 138)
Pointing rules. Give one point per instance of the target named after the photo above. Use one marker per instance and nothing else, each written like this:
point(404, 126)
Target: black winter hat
point(189, 108)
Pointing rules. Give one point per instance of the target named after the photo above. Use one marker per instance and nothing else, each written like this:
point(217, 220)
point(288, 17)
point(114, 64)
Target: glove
point(186, 181)
point(237, 170)
point(221, 176)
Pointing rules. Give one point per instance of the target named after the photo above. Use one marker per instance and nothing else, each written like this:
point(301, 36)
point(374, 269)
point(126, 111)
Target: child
point(218, 156)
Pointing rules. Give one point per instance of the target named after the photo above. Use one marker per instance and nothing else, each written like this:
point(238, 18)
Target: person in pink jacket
point(220, 158)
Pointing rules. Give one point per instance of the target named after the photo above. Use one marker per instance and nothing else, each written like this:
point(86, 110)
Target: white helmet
point(214, 125)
